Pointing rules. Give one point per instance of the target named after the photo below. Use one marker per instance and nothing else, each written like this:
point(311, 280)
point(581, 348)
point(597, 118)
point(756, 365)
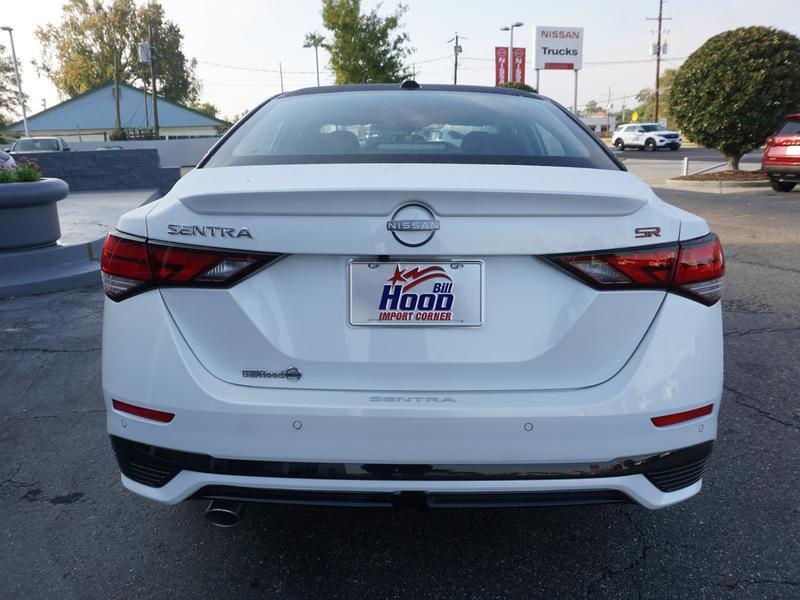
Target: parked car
point(646, 136)
point(781, 160)
point(7, 160)
point(34, 145)
point(515, 321)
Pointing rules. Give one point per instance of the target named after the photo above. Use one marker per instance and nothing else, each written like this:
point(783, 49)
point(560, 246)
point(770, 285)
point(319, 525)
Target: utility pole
point(456, 52)
point(608, 111)
point(154, 84)
point(660, 19)
point(280, 70)
point(117, 120)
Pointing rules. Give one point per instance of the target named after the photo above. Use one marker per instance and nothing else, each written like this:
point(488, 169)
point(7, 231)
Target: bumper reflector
point(145, 413)
point(688, 415)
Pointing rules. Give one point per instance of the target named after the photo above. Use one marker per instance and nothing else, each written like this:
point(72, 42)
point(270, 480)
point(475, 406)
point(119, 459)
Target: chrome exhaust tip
point(224, 513)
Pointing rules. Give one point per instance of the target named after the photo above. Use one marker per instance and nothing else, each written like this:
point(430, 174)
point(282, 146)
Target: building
point(91, 116)
point(599, 123)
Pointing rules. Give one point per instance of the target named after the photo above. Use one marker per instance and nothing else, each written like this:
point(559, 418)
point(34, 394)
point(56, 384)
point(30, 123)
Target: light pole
point(314, 40)
point(510, 29)
point(19, 83)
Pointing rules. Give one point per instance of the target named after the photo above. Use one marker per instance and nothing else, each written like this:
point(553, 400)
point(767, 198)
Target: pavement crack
point(49, 350)
point(757, 264)
point(761, 330)
point(55, 416)
point(738, 582)
point(766, 414)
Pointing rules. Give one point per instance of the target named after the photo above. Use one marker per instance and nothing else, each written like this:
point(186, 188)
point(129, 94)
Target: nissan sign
point(559, 48)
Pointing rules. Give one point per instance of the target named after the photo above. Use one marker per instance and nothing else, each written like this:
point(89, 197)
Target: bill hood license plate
point(416, 293)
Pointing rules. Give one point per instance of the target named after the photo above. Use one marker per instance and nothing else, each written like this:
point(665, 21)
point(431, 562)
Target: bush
point(732, 92)
point(519, 86)
point(26, 170)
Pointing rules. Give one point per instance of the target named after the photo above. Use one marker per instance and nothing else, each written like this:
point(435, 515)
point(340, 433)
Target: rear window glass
point(36, 145)
point(789, 127)
point(411, 126)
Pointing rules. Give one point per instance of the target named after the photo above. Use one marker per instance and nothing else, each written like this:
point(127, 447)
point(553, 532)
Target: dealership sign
point(559, 48)
point(501, 66)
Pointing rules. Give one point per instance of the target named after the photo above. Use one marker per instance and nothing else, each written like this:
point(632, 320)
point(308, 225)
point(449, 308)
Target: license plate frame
point(366, 281)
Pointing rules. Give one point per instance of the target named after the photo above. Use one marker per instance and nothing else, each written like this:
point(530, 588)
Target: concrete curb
point(716, 186)
point(53, 268)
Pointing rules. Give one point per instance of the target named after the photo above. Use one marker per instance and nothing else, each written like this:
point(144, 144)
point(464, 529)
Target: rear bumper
point(788, 172)
point(429, 485)
point(412, 430)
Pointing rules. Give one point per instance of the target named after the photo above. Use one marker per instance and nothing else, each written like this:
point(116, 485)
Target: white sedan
point(334, 309)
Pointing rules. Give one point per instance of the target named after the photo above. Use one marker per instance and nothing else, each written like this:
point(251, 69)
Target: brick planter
point(29, 215)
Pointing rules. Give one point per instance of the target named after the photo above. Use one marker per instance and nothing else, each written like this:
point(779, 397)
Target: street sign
point(635, 116)
point(518, 66)
point(559, 48)
point(663, 122)
point(500, 65)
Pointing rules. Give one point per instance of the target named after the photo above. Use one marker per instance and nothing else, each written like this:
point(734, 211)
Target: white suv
point(650, 136)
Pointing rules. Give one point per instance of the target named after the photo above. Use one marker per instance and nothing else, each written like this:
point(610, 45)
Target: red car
point(782, 155)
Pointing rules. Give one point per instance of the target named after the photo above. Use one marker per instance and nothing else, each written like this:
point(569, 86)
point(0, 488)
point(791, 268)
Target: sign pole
point(575, 100)
point(537, 80)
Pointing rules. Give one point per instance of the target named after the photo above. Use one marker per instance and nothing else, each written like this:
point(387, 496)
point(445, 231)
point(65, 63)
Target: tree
point(206, 108)
point(80, 53)
point(592, 107)
point(9, 102)
point(732, 91)
point(365, 48)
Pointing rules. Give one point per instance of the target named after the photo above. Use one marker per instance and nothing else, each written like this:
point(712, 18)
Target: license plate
point(418, 294)
point(793, 151)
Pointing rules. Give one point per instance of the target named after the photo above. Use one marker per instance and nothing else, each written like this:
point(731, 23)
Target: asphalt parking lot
point(69, 530)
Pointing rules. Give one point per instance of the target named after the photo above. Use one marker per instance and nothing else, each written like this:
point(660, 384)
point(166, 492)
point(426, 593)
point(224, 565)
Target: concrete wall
point(172, 153)
point(117, 170)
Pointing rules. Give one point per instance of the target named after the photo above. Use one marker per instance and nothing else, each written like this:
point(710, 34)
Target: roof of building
point(95, 110)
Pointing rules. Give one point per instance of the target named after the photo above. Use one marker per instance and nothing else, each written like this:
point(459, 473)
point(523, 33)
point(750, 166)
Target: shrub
point(732, 91)
point(26, 170)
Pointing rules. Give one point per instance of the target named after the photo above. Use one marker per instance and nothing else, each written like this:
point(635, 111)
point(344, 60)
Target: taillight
point(131, 265)
point(700, 269)
point(694, 268)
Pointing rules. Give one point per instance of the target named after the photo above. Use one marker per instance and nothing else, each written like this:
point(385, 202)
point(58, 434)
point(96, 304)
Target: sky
point(239, 44)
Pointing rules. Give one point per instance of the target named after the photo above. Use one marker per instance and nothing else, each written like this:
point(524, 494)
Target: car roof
point(410, 86)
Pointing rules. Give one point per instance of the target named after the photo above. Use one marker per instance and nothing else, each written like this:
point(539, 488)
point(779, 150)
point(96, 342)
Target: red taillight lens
point(130, 266)
point(694, 268)
point(125, 267)
point(701, 267)
point(140, 411)
point(681, 417)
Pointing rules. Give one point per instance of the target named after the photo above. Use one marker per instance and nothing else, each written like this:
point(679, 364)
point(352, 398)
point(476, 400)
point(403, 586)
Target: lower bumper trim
point(416, 499)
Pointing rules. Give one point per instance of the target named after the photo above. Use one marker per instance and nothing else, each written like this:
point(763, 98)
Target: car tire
point(650, 145)
point(781, 186)
point(620, 145)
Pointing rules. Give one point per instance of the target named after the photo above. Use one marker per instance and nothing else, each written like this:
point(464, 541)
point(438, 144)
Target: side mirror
point(67, 148)
point(6, 149)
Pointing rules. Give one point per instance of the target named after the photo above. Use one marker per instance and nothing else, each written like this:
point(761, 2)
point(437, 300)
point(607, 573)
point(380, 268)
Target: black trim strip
point(411, 499)
point(133, 456)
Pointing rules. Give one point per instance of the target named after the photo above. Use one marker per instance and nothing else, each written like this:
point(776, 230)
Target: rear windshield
point(413, 126)
point(789, 127)
point(34, 145)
